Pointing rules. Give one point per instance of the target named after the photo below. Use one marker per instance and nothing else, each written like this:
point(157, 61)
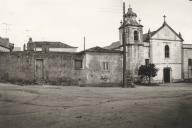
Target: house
point(102, 66)
point(49, 46)
point(5, 45)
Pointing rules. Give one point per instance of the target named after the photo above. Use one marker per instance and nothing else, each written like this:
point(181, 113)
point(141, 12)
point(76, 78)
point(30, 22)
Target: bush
point(147, 72)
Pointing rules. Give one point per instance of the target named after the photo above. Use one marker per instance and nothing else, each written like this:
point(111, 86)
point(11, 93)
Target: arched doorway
point(166, 75)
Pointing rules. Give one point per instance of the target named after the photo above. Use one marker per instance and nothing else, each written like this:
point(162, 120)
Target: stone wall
point(187, 53)
point(57, 68)
point(94, 68)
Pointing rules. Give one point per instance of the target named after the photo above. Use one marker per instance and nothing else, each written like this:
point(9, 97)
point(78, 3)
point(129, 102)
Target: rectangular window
point(106, 66)
point(146, 61)
point(38, 49)
point(136, 36)
point(148, 53)
point(190, 62)
point(78, 64)
point(190, 73)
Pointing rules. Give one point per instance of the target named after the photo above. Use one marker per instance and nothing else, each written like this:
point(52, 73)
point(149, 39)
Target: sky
point(69, 21)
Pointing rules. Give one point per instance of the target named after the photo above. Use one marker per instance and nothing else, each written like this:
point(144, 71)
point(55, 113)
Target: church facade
point(163, 47)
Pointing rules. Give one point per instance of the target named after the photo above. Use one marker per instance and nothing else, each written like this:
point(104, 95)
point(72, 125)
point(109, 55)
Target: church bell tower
point(133, 37)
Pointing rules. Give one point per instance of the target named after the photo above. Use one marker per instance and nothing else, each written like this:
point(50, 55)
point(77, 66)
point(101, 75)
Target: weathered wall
point(175, 72)
point(57, 67)
point(135, 49)
point(187, 53)
point(16, 66)
point(135, 58)
point(146, 50)
point(174, 62)
point(158, 52)
point(94, 68)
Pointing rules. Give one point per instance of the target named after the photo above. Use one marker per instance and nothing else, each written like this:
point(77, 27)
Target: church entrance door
point(166, 74)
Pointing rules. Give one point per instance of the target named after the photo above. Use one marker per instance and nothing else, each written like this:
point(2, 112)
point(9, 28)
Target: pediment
point(166, 33)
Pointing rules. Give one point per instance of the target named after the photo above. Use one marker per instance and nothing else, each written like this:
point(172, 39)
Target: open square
point(165, 106)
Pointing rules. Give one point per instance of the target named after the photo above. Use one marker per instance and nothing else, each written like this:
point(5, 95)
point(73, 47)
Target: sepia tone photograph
point(95, 64)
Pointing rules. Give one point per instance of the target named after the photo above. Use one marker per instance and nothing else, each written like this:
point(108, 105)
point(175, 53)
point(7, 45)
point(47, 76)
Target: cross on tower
point(139, 21)
point(164, 18)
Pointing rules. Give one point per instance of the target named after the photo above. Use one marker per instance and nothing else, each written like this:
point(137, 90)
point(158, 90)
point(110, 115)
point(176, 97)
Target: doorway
point(39, 68)
point(166, 74)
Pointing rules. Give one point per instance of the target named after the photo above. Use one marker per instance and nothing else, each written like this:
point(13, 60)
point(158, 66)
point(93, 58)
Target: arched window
point(166, 51)
point(136, 36)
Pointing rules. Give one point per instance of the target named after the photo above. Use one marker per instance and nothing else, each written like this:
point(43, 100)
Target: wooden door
point(39, 69)
point(166, 75)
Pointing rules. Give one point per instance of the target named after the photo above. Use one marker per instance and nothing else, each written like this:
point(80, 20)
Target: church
point(163, 47)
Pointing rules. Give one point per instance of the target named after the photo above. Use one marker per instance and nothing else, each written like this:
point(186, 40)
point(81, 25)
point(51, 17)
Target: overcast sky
point(69, 20)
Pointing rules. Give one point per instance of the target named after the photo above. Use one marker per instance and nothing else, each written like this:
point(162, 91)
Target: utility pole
point(124, 49)
point(84, 43)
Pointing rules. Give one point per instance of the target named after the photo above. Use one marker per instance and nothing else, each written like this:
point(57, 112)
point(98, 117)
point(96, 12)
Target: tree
point(148, 71)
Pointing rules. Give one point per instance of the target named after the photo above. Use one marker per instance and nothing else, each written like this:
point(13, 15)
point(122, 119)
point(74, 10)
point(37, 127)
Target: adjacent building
point(5, 45)
point(49, 46)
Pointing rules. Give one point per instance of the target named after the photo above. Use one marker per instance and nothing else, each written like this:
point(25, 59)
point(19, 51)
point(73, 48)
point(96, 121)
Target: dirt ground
point(166, 106)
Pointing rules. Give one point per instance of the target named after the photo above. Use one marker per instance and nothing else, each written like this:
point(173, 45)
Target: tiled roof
point(101, 50)
point(114, 45)
point(146, 36)
point(52, 44)
point(4, 42)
